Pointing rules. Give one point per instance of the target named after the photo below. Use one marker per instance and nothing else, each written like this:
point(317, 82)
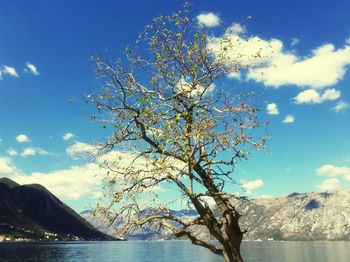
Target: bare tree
point(176, 124)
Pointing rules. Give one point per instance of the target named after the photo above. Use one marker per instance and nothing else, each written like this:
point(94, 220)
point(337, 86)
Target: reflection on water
point(143, 251)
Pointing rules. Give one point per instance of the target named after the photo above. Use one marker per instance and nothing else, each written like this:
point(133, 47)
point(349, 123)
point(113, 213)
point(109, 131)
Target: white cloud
point(294, 41)
point(186, 88)
point(236, 29)
point(240, 51)
point(84, 180)
point(80, 181)
point(7, 168)
point(251, 185)
point(29, 151)
point(33, 69)
point(79, 148)
point(96, 194)
point(68, 136)
point(67, 184)
point(11, 152)
point(289, 119)
point(22, 138)
point(340, 106)
point(208, 19)
point(10, 71)
point(329, 184)
point(332, 171)
point(312, 96)
point(330, 95)
point(307, 96)
point(32, 151)
point(264, 196)
point(325, 66)
point(272, 109)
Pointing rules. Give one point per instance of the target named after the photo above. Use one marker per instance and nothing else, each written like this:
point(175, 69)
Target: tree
point(173, 126)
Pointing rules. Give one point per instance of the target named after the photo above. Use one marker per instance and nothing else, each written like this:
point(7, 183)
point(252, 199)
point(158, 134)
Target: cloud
point(264, 196)
point(236, 29)
point(251, 185)
point(241, 51)
point(325, 65)
point(186, 88)
point(68, 136)
point(341, 106)
point(10, 71)
point(33, 69)
point(32, 151)
point(67, 184)
point(272, 109)
point(7, 168)
point(11, 152)
point(83, 180)
point(312, 96)
point(332, 171)
point(208, 19)
point(22, 138)
point(289, 119)
point(329, 184)
point(294, 41)
point(79, 148)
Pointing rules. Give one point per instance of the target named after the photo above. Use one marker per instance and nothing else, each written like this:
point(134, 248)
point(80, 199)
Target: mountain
point(32, 212)
point(306, 216)
point(299, 216)
point(149, 232)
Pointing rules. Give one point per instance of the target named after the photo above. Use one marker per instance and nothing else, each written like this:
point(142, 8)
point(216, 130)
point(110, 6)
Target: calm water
point(172, 251)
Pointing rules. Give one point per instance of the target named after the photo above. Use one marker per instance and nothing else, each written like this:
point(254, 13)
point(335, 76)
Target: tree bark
point(232, 256)
point(232, 249)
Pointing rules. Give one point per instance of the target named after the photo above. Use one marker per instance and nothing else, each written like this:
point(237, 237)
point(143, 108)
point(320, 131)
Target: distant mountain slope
point(307, 216)
point(32, 208)
point(150, 231)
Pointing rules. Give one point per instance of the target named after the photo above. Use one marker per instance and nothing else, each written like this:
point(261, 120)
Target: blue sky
point(45, 72)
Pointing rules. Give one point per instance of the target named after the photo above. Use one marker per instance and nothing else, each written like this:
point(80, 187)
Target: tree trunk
point(234, 256)
point(232, 250)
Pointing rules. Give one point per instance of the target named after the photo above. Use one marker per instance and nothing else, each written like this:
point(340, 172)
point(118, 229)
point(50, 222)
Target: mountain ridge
point(298, 216)
point(28, 211)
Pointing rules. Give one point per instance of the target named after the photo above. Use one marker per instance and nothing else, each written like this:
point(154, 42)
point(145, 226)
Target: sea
point(172, 251)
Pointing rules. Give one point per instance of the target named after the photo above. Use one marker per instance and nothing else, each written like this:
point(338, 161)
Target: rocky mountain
point(149, 232)
point(32, 212)
point(306, 216)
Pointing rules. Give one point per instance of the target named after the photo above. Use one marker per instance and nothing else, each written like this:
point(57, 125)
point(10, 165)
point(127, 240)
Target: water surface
point(171, 251)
